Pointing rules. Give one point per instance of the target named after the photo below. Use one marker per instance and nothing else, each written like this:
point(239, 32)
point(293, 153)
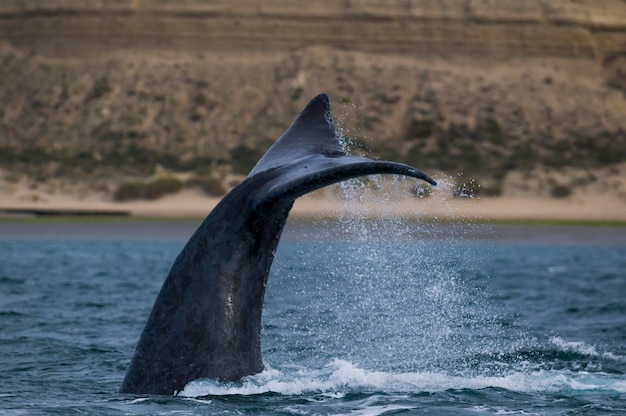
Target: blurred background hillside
point(527, 97)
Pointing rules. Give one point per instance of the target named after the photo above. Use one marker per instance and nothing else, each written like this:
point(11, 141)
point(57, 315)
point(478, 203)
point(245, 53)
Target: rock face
point(491, 28)
point(481, 86)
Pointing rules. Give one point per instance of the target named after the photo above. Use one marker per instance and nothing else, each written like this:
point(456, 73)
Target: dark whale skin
point(206, 320)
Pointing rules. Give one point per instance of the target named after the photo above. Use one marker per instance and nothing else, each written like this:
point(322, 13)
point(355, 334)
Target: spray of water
point(375, 302)
point(418, 307)
point(386, 304)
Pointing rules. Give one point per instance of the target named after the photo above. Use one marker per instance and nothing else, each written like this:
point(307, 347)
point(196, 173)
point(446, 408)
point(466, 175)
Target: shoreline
point(311, 230)
point(592, 210)
point(108, 219)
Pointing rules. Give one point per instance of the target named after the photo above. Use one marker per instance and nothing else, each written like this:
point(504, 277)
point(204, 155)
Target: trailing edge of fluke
point(206, 320)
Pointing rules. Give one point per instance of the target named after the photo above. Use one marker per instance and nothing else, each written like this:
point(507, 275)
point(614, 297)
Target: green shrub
point(560, 191)
point(100, 87)
point(127, 191)
point(492, 188)
point(200, 99)
point(12, 177)
point(210, 184)
point(243, 158)
point(133, 190)
point(297, 93)
point(420, 129)
point(161, 187)
point(493, 130)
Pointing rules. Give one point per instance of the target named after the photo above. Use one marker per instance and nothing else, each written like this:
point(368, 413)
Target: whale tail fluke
point(206, 320)
point(313, 132)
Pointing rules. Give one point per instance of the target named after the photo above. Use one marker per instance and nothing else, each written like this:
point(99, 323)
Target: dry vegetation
point(507, 118)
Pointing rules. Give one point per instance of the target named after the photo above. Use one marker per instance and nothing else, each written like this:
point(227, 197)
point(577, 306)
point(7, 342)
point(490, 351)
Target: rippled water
point(362, 318)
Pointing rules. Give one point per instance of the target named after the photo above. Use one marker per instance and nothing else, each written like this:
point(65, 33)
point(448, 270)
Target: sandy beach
point(190, 203)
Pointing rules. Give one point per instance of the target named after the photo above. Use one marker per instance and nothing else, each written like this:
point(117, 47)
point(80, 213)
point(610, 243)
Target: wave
point(340, 378)
point(579, 347)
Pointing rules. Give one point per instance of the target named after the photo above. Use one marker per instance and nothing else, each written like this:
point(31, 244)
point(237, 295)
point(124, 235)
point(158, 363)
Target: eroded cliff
point(485, 87)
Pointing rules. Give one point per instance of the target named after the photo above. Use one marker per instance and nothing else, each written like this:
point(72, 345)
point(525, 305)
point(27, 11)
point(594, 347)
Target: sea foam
point(341, 377)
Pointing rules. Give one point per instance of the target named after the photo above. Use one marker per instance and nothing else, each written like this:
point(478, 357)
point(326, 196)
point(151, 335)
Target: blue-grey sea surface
point(361, 317)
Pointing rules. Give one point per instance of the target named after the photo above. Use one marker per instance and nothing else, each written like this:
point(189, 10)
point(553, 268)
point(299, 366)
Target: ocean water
point(361, 318)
